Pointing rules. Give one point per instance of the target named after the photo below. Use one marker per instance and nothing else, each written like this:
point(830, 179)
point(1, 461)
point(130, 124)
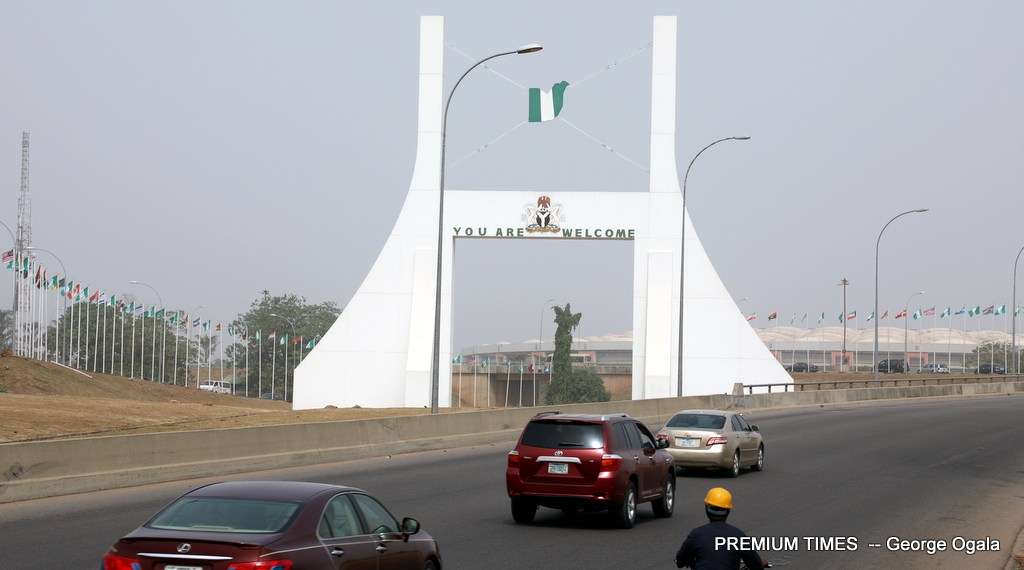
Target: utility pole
point(842, 359)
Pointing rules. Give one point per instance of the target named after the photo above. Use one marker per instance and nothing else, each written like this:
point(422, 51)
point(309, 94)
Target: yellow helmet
point(719, 497)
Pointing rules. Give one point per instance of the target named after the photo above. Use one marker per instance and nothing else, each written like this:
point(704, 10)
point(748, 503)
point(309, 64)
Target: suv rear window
point(553, 434)
point(696, 421)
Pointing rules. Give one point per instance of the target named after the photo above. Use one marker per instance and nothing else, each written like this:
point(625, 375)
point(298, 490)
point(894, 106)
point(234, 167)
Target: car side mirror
point(410, 525)
point(753, 427)
point(661, 443)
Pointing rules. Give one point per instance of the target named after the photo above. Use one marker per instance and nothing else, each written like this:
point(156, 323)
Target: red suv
point(574, 461)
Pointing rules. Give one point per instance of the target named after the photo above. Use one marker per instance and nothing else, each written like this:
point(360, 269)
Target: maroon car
point(275, 525)
point(578, 461)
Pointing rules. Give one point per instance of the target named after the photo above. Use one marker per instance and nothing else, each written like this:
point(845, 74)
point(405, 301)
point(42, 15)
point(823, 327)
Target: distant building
point(821, 347)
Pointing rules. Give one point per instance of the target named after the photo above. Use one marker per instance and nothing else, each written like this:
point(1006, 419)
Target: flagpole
point(88, 311)
point(163, 346)
point(120, 353)
point(113, 332)
point(259, 365)
point(209, 354)
point(71, 330)
point(96, 342)
point(133, 341)
point(234, 361)
point(220, 341)
point(188, 327)
point(103, 354)
point(152, 357)
point(273, 367)
point(286, 341)
point(245, 339)
point(174, 364)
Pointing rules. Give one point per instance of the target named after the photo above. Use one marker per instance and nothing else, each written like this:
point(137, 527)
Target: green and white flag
point(546, 105)
point(871, 317)
point(1000, 310)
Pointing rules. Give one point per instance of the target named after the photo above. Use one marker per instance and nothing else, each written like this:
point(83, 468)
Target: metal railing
point(847, 384)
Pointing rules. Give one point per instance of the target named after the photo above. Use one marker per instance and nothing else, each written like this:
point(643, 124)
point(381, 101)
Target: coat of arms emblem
point(544, 217)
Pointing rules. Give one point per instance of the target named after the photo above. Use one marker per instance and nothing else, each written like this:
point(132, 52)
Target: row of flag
point(902, 314)
point(75, 292)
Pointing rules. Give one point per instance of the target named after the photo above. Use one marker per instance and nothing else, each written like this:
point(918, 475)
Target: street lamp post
point(62, 268)
point(682, 260)
point(435, 369)
point(906, 332)
point(1013, 315)
point(290, 323)
point(540, 334)
point(874, 354)
point(163, 343)
point(14, 302)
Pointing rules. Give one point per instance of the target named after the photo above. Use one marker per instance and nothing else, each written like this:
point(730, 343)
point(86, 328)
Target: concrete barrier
point(60, 467)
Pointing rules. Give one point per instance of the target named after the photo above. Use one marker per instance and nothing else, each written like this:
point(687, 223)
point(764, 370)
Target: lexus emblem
point(184, 547)
point(559, 452)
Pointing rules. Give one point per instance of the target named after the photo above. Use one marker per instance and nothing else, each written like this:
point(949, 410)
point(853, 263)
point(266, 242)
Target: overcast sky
point(216, 149)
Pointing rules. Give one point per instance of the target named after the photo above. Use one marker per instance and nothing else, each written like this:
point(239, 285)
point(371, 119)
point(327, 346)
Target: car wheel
point(624, 513)
point(734, 470)
point(523, 510)
point(759, 466)
point(663, 506)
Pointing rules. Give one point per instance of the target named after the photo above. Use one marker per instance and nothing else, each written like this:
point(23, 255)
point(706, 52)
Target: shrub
point(581, 386)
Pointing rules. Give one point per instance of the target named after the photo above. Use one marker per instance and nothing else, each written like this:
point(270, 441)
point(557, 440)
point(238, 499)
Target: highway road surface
point(914, 469)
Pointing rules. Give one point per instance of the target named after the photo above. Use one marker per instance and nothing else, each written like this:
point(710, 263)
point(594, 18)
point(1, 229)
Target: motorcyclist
point(699, 551)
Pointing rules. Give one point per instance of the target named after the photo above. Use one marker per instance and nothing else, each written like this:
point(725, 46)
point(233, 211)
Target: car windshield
point(208, 514)
point(563, 434)
point(696, 421)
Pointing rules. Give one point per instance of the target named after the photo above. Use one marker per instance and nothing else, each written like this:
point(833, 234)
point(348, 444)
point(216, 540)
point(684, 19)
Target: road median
point(59, 467)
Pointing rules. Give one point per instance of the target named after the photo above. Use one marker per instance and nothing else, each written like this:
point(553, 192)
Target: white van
point(216, 386)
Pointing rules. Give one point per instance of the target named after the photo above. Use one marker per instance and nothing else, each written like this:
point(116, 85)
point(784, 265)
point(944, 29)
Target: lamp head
point(742, 138)
point(921, 211)
point(529, 48)
point(134, 282)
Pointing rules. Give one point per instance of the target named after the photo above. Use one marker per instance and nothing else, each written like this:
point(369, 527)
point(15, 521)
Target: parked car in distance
point(274, 525)
point(933, 368)
point(990, 369)
point(216, 386)
point(804, 367)
point(713, 439)
point(891, 365)
point(573, 462)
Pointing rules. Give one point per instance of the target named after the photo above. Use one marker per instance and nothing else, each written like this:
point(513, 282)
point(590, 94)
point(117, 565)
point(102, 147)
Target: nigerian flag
point(545, 105)
point(1000, 310)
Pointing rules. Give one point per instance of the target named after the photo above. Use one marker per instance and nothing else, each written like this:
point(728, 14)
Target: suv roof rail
point(552, 413)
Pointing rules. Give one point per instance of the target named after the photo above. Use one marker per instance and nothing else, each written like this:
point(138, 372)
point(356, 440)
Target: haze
point(217, 149)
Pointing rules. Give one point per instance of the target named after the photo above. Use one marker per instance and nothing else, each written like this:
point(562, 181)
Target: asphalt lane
point(915, 469)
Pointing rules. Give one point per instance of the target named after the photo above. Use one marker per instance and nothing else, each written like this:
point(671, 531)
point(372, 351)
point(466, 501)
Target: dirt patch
point(40, 400)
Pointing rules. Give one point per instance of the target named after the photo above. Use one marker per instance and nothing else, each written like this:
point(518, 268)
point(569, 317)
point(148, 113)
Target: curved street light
point(874, 354)
point(435, 367)
point(682, 260)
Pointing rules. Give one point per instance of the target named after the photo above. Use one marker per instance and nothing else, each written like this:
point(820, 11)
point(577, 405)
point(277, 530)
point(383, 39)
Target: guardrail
point(846, 384)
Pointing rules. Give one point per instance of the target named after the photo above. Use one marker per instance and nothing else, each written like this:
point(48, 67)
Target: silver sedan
point(714, 439)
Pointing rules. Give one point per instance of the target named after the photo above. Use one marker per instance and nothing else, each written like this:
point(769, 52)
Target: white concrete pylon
point(378, 352)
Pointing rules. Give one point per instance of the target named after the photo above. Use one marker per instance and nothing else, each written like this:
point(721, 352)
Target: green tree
point(993, 352)
point(570, 385)
point(277, 314)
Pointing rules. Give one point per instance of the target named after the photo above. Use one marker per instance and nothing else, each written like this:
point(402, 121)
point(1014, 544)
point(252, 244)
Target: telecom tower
point(22, 289)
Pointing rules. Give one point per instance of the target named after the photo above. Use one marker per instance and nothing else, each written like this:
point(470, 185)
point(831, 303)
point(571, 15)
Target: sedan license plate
point(183, 568)
point(687, 442)
point(558, 468)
